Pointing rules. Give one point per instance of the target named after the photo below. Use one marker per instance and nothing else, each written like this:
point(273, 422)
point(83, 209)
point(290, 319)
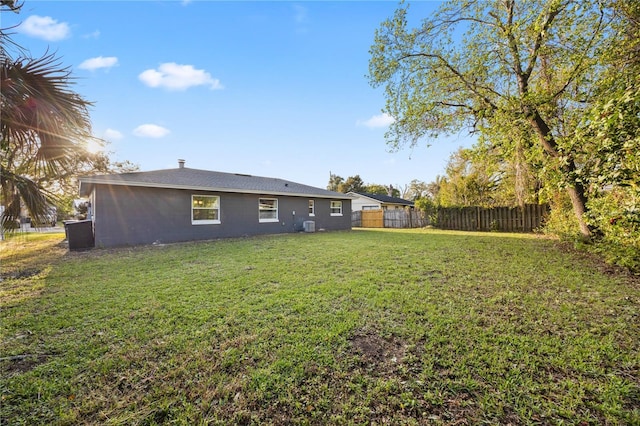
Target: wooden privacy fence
point(372, 218)
point(396, 218)
point(509, 219)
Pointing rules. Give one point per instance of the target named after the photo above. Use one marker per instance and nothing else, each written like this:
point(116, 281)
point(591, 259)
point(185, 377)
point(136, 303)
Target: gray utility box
point(79, 234)
point(309, 226)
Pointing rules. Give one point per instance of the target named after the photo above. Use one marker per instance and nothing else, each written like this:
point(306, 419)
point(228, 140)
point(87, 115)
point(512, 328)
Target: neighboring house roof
point(204, 180)
point(384, 199)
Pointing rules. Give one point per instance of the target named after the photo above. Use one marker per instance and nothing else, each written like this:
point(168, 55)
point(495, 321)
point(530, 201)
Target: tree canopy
point(500, 69)
point(356, 184)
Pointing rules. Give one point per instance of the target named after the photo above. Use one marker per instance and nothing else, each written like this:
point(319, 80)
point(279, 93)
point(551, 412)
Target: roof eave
point(90, 182)
point(356, 195)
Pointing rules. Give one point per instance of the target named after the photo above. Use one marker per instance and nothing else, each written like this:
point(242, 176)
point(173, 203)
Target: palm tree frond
point(44, 127)
point(38, 108)
point(19, 190)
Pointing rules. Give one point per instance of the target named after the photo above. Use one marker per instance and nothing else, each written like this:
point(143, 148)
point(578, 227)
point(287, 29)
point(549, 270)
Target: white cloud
point(382, 120)
point(45, 27)
point(94, 34)
point(93, 64)
point(173, 76)
point(150, 131)
point(112, 135)
point(300, 18)
point(299, 14)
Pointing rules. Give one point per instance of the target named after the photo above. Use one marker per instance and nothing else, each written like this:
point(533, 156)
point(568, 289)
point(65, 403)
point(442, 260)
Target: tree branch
point(537, 45)
point(578, 65)
point(472, 87)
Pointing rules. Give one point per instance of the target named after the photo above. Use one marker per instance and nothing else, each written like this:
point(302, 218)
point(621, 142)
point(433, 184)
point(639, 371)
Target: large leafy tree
point(352, 184)
point(415, 189)
point(334, 182)
point(499, 68)
point(469, 182)
point(609, 136)
point(609, 133)
point(44, 129)
point(339, 184)
point(486, 175)
point(375, 188)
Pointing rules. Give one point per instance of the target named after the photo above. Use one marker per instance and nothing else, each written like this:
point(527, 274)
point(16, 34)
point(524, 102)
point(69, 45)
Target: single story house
point(185, 204)
point(367, 201)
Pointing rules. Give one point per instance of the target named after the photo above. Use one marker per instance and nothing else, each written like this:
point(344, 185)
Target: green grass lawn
point(360, 327)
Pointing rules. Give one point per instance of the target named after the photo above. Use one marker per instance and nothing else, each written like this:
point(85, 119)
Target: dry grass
point(25, 261)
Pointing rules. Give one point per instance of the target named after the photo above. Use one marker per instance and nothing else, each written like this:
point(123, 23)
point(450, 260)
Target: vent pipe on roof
point(181, 164)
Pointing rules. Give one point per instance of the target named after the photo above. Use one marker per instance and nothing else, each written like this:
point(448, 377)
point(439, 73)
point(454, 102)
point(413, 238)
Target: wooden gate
point(373, 218)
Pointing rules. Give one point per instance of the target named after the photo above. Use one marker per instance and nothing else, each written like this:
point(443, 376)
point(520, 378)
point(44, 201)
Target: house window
point(312, 208)
point(336, 208)
point(205, 209)
point(268, 210)
point(371, 207)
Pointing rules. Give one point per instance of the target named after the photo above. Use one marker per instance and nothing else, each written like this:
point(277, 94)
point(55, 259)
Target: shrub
point(562, 221)
point(616, 215)
point(429, 207)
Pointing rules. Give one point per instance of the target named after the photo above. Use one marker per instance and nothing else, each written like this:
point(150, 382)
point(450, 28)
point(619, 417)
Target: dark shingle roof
point(205, 180)
point(386, 199)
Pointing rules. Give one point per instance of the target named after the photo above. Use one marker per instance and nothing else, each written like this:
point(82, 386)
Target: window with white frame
point(336, 208)
point(312, 208)
point(268, 209)
point(205, 209)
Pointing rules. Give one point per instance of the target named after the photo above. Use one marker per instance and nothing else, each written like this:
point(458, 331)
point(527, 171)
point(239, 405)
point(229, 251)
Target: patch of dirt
point(377, 352)
point(20, 363)
point(20, 273)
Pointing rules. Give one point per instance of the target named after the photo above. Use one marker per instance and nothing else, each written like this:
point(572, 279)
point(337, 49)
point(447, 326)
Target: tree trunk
point(579, 201)
point(575, 189)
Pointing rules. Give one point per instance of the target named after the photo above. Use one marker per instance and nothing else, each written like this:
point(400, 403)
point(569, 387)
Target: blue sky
point(274, 89)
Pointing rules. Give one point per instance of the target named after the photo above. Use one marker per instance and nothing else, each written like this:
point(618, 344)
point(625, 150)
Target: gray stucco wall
point(139, 215)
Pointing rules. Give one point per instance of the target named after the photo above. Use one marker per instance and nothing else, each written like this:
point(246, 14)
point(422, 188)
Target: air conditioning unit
point(309, 226)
